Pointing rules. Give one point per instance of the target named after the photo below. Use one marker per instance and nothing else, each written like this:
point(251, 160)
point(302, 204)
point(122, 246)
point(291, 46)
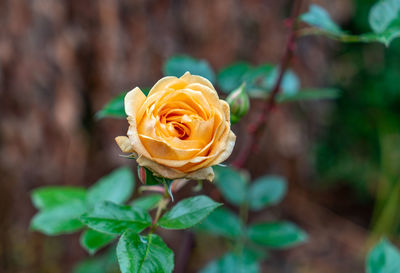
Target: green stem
point(339, 37)
point(160, 207)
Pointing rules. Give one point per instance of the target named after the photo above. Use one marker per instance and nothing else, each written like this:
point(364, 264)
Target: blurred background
point(61, 61)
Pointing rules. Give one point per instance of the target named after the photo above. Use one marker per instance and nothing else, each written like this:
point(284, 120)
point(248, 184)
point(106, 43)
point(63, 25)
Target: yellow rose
point(180, 129)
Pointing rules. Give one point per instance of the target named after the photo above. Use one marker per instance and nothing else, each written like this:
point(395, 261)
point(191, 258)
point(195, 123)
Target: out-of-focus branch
point(255, 129)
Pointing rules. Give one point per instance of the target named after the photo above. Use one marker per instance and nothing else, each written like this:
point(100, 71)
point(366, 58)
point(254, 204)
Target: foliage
point(260, 194)
point(101, 209)
point(103, 212)
point(384, 20)
point(383, 258)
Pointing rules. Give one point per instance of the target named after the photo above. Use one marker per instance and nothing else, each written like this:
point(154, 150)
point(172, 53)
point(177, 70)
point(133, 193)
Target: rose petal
point(124, 144)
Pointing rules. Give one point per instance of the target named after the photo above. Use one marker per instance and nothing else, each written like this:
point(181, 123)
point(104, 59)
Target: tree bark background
point(61, 61)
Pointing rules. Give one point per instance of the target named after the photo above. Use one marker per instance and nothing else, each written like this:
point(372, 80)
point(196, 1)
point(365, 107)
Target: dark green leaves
point(49, 197)
point(111, 218)
point(221, 222)
point(319, 17)
point(144, 254)
point(92, 240)
point(60, 219)
point(276, 234)
point(60, 209)
point(383, 258)
point(231, 183)
point(265, 191)
point(188, 212)
point(116, 187)
point(147, 202)
point(114, 108)
point(179, 65)
point(231, 77)
point(244, 262)
point(259, 80)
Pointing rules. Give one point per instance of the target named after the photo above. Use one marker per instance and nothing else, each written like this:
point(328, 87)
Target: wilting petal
point(124, 144)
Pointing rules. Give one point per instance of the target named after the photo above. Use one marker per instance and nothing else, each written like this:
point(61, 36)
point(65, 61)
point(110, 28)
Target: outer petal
point(162, 84)
point(124, 144)
point(133, 102)
point(206, 173)
point(160, 170)
point(189, 78)
point(134, 99)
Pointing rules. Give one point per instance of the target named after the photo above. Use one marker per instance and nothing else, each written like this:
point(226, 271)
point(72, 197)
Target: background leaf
point(112, 218)
point(92, 240)
point(266, 191)
point(383, 14)
point(231, 77)
point(231, 183)
point(221, 222)
point(116, 187)
point(179, 65)
point(319, 17)
point(140, 254)
point(383, 258)
point(234, 263)
point(114, 108)
point(276, 234)
point(106, 263)
point(262, 79)
point(147, 202)
point(49, 197)
point(60, 219)
point(188, 212)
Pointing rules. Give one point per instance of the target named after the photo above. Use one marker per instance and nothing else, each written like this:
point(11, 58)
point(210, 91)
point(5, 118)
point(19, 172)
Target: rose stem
point(255, 130)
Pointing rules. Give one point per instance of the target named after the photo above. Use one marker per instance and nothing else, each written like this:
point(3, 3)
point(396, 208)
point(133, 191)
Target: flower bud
point(142, 174)
point(239, 103)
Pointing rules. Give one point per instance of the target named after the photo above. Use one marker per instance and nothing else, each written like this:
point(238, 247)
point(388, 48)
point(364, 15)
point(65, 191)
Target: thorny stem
point(255, 130)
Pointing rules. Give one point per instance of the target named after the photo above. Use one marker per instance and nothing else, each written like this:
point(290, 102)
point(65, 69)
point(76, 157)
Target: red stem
point(255, 130)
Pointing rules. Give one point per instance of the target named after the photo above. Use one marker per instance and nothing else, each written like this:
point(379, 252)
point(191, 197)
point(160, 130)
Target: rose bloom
point(180, 129)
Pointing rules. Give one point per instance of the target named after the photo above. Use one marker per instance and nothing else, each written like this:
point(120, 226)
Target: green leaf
point(231, 183)
point(144, 254)
point(231, 76)
point(276, 234)
point(179, 65)
point(49, 197)
point(383, 15)
point(106, 263)
point(188, 212)
point(61, 219)
point(383, 258)
point(116, 187)
point(309, 94)
point(114, 108)
point(92, 240)
point(262, 79)
point(147, 202)
point(266, 191)
point(385, 37)
point(221, 222)
point(112, 218)
point(257, 79)
point(320, 18)
point(234, 263)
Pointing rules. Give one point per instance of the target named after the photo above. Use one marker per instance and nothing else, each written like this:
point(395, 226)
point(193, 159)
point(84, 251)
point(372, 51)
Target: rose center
point(182, 131)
